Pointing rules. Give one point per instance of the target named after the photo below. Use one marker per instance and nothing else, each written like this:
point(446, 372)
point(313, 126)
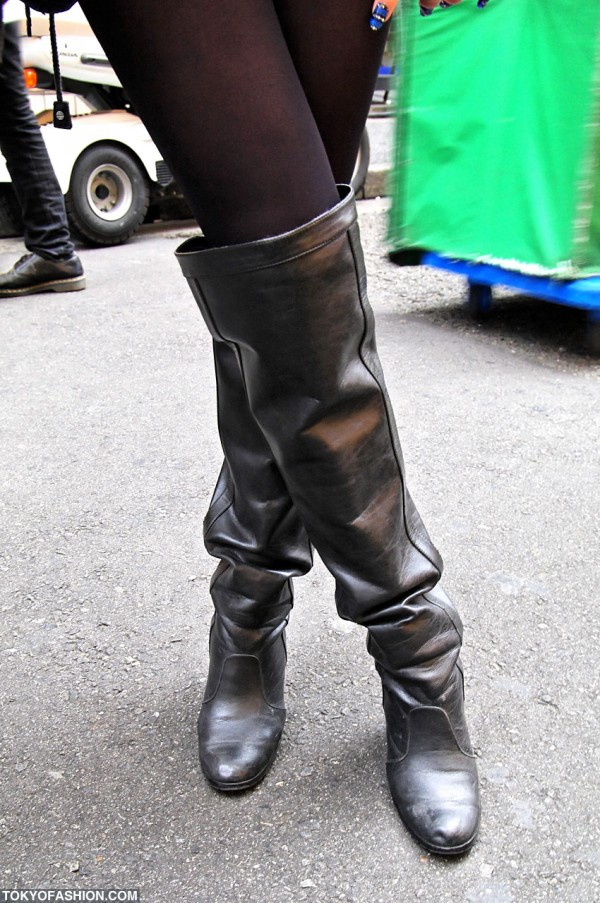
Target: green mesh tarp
point(497, 155)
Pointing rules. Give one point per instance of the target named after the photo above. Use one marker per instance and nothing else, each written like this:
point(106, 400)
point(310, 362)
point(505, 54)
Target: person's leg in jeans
point(51, 263)
point(255, 105)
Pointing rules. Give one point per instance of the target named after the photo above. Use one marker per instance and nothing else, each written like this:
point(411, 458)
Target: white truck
point(107, 165)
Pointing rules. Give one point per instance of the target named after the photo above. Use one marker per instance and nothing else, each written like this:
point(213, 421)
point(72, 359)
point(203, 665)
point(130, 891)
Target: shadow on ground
point(526, 323)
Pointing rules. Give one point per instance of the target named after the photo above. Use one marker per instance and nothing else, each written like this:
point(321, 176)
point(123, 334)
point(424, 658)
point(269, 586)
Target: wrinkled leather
point(251, 521)
point(294, 311)
point(32, 273)
point(253, 527)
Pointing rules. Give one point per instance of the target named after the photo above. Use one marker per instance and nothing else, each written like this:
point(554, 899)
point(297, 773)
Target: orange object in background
point(31, 79)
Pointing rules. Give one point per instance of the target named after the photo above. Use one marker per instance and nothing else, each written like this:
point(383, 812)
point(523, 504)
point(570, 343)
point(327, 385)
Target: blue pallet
point(581, 293)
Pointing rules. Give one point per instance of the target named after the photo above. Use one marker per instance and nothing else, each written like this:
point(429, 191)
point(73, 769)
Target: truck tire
point(11, 221)
point(108, 196)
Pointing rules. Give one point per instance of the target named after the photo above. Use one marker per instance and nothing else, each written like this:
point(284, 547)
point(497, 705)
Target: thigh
point(218, 90)
point(337, 57)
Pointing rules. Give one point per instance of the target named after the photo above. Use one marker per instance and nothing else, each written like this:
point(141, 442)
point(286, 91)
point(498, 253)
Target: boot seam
point(444, 608)
point(210, 525)
point(227, 488)
point(418, 708)
point(211, 698)
point(377, 382)
point(206, 310)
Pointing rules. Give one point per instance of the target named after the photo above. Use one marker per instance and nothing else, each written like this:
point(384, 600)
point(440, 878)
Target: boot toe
point(446, 830)
point(238, 766)
point(231, 766)
point(238, 741)
point(438, 800)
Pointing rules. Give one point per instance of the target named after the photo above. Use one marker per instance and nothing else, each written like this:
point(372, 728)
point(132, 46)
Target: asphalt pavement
point(108, 456)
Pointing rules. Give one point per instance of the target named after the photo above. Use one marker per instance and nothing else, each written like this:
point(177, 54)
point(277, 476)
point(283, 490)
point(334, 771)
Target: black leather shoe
point(32, 274)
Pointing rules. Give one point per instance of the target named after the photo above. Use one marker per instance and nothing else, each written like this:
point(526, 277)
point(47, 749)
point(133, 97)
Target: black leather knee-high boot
point(294, 311)
point(253, 527)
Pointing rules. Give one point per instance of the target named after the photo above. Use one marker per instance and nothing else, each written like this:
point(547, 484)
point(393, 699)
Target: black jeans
point(46, 231)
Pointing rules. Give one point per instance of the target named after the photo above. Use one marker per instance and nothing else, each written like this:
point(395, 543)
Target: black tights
point(257, 106)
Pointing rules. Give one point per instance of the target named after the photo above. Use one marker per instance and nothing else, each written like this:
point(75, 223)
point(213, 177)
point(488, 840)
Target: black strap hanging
point(62, 113)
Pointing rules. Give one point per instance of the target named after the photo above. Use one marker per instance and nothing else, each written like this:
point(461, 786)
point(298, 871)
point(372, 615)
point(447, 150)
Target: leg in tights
point(258, 109)
point(337, 59)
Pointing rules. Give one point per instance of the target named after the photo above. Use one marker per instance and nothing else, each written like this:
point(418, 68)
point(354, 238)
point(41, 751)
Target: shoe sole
point(443, 851)
point(57, 285)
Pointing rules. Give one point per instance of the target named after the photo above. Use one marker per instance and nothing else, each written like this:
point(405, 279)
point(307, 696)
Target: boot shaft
point(294, 311)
